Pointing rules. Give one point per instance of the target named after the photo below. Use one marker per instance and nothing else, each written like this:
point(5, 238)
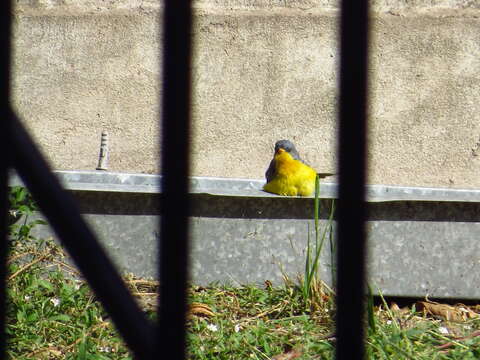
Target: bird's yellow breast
point(292, 177)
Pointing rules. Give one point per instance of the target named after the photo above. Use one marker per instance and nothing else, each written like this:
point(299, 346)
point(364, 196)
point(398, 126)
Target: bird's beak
point(280, 150)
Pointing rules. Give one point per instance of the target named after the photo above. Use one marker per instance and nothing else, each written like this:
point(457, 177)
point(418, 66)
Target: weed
point(313, 289)
point(21, 207)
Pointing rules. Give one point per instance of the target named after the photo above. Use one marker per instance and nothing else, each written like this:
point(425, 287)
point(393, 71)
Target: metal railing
point(351, 205)
point(145, 339)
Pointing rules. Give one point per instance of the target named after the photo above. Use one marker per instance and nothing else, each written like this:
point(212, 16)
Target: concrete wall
point(263, 70)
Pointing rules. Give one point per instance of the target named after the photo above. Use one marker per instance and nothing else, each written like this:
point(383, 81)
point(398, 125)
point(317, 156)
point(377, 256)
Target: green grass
point(250, 322)
point(53, 315)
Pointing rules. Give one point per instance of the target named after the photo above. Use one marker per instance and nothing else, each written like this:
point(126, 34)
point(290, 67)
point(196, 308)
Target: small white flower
point(237, 328)
point(106, 349)
point(212, 327)
point(443, 330)
point(389, 322)
point(55, 301)
point(27, 298)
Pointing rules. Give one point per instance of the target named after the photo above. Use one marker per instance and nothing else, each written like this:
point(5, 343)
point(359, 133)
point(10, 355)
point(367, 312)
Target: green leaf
point(82, 351)
point(45, 284)
point(39, 222)
point(20, 193)
point(32, 317)
point(60, 317)
point(414, 332)
point(20, 316)
point(25, 209)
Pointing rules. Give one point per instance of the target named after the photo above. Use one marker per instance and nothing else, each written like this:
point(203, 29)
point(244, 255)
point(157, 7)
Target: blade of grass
point(306, 277)
point(372, 326)
point(333, 249)
point(310, 268)
point(319, 244)
point(312, 261)
point(387, 309)
point(316, 206)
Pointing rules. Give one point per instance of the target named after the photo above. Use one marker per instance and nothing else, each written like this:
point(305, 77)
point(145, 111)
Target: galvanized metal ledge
point(146, 183)
point(422, 241)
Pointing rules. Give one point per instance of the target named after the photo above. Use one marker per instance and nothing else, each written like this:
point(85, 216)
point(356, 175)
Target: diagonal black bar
point(5, 31)
point(175, 169)
point(352, 169)
point(63, 215)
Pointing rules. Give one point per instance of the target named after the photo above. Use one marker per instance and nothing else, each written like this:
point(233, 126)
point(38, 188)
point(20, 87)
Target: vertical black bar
point(175, 169)
point(5, 34)
point(352, 168)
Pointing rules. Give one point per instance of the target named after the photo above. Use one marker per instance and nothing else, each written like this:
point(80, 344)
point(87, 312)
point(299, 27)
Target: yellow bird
point(288, 174)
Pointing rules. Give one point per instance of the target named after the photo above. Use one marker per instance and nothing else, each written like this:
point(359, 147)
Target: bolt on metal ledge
point(103, 156)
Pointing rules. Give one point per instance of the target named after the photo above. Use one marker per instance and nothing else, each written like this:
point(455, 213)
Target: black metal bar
point(352, 169)
point(5, 34)
point(63, 215)
point(175, 169)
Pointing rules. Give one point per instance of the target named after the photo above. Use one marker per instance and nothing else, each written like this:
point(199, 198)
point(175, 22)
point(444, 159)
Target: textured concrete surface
point(262, 70)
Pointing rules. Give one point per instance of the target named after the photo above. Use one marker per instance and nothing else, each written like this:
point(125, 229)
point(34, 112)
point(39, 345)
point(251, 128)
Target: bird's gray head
point(288, 146)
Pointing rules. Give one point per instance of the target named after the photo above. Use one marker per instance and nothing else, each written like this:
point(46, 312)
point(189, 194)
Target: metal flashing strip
point(146, 183)
point(241, 235)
